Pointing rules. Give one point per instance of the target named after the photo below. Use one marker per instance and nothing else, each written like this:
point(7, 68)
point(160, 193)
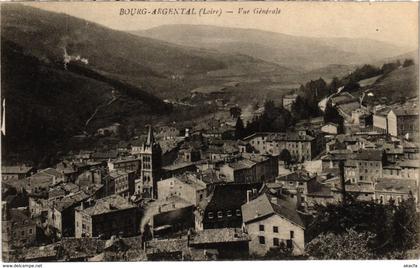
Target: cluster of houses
point(202, 197)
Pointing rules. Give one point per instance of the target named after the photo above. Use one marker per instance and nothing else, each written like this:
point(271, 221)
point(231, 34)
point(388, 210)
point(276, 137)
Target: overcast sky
point(395, 23)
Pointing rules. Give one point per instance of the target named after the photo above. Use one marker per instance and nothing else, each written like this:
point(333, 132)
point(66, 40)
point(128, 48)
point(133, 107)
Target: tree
point(239, 129)
point(395, 228)
point(285, 156)
point(235, 112)
point(405, 225)
point(350, 245)
point(408, 62)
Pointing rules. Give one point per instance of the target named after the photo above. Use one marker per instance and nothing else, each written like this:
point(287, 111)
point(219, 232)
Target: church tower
point(151, 162)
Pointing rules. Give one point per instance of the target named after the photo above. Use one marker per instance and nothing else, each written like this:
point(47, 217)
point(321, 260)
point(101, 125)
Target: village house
point(364, 166)
point(111, 215)
point(271, 221)
point(331, 161)
point(250, 169)
point(411, 150)
point(317, 194)
point(119, 182)
point(127, 165)
point(16, 172)
point(223, 210)
point(100, 156)
point(177, 168)
point(296, 181)
point(61, 213)
point(380, 120)
point(410, 169)
point(355, 191)
point(300, 145)
point(18, 229)
point(90, 177)
point(391, 171)
point(186, 186)
point(230, 243)
point(397, 190)
point(403, 122)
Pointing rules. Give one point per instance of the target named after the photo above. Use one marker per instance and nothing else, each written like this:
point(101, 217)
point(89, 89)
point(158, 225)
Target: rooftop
point(224, 235)
point(242, 164)
point(319, 189)
point(231, 196)
point(396, 185)
point(295, 176)
point(107, 204)
point(263, 206)
point(369, 155)
point(15, 169)
point(70, 200)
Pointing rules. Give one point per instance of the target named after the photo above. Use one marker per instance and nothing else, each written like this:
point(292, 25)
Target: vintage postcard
point(198, 131)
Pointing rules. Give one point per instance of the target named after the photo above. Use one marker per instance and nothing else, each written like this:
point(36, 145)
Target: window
point(229, 213)
point(238, 212)
point(292, 234)
point(275, 229)
point(219, 214)
point(261, 228)
point(276, 242)
point(262, 240)
point(210, 215)
point(22, 233)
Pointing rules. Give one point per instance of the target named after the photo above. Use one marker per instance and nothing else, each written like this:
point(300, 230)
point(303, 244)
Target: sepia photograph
point(209, 131)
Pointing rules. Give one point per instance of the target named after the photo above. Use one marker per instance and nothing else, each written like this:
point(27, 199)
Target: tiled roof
point(262, 207)
point(192, 180)
point(242, 164)
point(21, 218)
point(108, 204)
point(34, 253)
point(15, 169)
point(166, 245)
point(409, 163)
point(178, 165)
point(77, 248)
point(319, 189)
point(356, 188)
point(51, 171)
point(295, 176)
point(406, 112)
point(347, 108)
point(230, 196)
point(369, 155)
point(396, 185)
point(224, 235)
point(70, 200)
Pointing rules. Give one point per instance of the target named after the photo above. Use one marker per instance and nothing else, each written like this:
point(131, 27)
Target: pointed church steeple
point(150, 138)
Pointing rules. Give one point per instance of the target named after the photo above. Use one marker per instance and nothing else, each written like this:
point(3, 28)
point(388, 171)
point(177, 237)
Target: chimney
point(274, 200)
point(82, 206)
point(248, 195)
